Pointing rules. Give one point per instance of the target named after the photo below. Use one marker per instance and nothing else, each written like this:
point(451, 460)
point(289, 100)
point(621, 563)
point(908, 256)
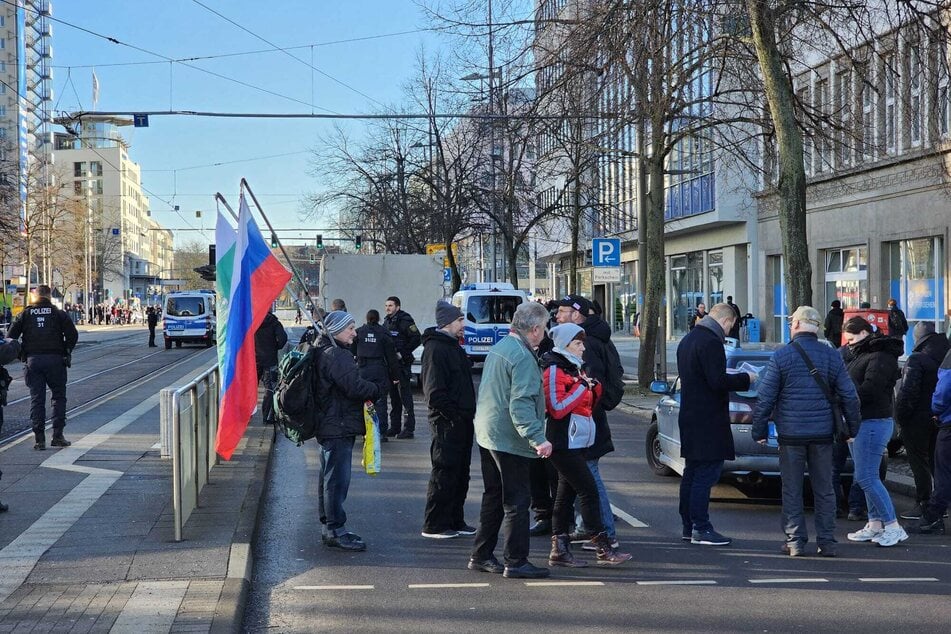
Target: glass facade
point(686, 285)
point(846, 276)
point(916, 280)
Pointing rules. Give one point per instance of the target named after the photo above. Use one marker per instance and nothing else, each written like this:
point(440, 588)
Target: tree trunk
point(575, 231)
point(453, 268)
point(653, 308)
point(792, 173)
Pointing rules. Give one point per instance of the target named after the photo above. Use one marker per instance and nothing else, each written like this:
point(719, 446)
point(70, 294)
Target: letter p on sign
point(606, 252)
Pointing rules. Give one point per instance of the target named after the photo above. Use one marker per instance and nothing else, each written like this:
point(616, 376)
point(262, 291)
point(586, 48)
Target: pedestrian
point(700, 313)
point(832, 327)
point(570, 397)
point(795, 398)
point(735, 330)
point(932, 520)
point(9, 351)
point(510, 431)
point(872, 362)
point(151, 316)
point(269, 339)
point(49, 336)
point(913, 410)
point(376, 358)
point(705, 435)
point(897, 324)
point(342, 421)
point(338, 304)
point(406, 336)
point(298, 317)
point(446, 377)
point(602, 363)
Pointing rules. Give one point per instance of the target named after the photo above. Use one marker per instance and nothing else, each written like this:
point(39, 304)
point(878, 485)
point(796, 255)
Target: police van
point(189, 317)
point(488, 308)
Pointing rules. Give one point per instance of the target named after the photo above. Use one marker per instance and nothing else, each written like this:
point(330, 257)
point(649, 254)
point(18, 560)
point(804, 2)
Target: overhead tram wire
point(289, 54)
point(166, 58)
point(396, 115)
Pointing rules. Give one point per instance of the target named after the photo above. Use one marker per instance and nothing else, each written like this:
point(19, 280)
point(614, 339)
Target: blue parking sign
point(447, 274)
point(606, 252)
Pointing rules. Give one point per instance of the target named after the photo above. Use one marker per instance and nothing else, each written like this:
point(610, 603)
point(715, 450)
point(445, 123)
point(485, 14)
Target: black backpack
point(297, 405)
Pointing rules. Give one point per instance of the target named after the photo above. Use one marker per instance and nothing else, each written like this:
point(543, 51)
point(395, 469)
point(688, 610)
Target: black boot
point(3, 507)
point(540, 527)
point(561, 553)
point(59, 441)
point(608, 554)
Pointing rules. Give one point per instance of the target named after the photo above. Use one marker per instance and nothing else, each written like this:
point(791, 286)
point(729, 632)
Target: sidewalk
point(88, 541)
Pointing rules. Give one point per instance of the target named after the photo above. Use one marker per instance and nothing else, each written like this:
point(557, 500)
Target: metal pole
point(193, 395)
point(177, 467)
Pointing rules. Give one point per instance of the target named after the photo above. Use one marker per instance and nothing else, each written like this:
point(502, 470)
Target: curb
point(229, 612)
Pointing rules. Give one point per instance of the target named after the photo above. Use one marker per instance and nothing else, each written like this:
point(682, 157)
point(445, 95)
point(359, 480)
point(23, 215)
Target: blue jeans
point(334, 482)
point(607, 515)
point(699, 477)
point(867, 450)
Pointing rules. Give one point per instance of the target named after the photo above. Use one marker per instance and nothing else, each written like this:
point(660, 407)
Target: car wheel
point(168, 344)
point(178, 344)
point(652, 447)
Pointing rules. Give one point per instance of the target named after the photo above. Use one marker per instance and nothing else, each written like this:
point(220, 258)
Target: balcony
point(690, 197)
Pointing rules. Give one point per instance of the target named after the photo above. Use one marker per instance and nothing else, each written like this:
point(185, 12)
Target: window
point(78, 188)
point(868, 113)
point(492, 309)
point(79, 169)
point(95, 168)
point(944, 109)
point(888, 129)
point(821, 106)
point(3, 87)
point(3, 111)
point(915, 97)
point(844, 91)
point(3, 133)
point(185, 306)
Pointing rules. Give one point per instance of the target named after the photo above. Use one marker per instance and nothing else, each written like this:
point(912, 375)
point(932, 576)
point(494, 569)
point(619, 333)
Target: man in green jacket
point(510, 431)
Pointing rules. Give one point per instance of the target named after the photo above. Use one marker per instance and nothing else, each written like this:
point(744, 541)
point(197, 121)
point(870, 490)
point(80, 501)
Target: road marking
point(564, 583)
point(427, 586)
point(630, 519)
point(334, 587)
point(679, 582)
point(790, 580)
point(152, 607)
point(895, 579)
point(20, 556)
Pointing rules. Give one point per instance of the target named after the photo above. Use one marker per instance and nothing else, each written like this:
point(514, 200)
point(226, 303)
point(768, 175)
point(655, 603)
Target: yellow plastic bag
point(371, 440)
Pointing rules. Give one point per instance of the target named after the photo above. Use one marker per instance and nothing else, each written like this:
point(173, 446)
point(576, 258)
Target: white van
point(189, 317)
point(488, 309)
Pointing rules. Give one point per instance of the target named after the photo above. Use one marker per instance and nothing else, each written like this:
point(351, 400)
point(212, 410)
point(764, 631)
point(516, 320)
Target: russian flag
point(257, 278)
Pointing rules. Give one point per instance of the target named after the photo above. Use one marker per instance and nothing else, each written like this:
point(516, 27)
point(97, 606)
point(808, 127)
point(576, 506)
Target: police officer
point(151, 315)
point(407, 338)
point(49, 337)
point(377, 360)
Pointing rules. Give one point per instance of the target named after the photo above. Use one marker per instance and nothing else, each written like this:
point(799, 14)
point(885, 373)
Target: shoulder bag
point(842, 432)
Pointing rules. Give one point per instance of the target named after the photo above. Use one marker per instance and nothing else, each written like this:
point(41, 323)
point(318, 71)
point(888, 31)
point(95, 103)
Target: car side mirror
point(660, 387)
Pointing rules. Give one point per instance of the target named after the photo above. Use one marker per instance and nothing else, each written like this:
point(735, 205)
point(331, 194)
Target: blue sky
point(182, 28)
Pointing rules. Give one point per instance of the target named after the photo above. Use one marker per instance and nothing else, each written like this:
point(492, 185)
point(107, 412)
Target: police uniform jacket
point(44, 329)
point(405, 334)
point(375, 345)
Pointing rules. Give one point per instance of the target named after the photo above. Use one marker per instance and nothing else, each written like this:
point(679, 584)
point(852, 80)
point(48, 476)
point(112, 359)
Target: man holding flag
point(249, 279)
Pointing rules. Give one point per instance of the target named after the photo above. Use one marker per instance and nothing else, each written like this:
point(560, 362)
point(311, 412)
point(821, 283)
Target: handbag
point(581, 431)
point(842, 431)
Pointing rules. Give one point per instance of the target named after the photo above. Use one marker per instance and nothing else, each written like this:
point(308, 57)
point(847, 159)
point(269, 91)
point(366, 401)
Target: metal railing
point(191, 445)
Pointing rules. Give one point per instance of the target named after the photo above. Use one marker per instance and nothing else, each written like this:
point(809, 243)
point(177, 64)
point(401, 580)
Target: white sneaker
point(891, 536)
point(865, 534)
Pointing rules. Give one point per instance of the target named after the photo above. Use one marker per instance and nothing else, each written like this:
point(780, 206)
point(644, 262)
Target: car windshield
point(492, 309)
point(185, 306)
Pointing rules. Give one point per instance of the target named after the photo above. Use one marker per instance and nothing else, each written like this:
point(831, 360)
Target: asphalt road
point(405, 583)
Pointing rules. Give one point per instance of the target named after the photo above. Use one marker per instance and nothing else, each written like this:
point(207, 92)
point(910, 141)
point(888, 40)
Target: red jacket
point(566, 393)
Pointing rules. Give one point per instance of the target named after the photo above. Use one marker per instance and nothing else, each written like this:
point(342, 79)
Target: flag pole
point(319, 323)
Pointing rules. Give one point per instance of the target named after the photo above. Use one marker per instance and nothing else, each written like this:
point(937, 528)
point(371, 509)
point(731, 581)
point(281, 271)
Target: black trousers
point(401, 402)
point(544, 485)
point(44, 370)
point(504, 507)
point(269, 377)
point(151, 336)
point(941, 496)
point(451, 453)
point(575, 479)
point(374, 370)
point(919, 440)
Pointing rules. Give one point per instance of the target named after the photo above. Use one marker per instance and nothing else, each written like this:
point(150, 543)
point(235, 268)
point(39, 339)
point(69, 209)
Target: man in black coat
point(913, 410)
point(376, 357)
point(832, 328)
point(269, 339)
point(603, 363)
point(735, 329)
point(151, 318)
point(407, 338)
point(446, 376)
point(705, 435)
point(344, 391)
point(897, 324)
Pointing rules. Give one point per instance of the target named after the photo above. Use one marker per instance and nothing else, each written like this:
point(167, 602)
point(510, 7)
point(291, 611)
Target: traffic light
point(273, 240)
point(313, 258)
point(359, 241)
point(320, 241)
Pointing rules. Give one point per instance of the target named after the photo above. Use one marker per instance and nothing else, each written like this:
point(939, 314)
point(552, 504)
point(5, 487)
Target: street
point(404, 582)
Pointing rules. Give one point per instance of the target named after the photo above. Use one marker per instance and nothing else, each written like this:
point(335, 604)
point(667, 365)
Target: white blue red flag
point(257, 278)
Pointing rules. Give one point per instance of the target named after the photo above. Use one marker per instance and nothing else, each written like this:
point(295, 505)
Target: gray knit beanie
point(446, 313)
point(337, 320)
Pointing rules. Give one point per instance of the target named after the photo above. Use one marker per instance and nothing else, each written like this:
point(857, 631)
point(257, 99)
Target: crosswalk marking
point(895, 579)
point(430, 586)
point(564, 583)
point(679, 582)
point(334, 587)
point(790, 580)
point(630, 519)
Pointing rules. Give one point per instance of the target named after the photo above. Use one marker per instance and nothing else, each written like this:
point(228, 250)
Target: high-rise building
point(129, 252)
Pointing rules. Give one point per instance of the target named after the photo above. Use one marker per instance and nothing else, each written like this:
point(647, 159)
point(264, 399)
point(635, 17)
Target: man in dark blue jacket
point(342, 421)
point(790, 395)
point(932, 520)
point(705, 435)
